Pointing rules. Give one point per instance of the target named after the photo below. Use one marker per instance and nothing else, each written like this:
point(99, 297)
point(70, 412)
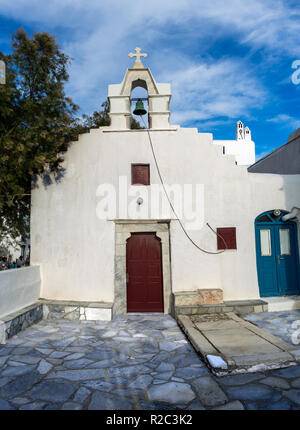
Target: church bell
point(139, 108)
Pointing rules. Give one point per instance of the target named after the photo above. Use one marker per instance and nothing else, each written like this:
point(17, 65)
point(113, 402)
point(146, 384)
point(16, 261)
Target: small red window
point(140, 174)
point(227, 235)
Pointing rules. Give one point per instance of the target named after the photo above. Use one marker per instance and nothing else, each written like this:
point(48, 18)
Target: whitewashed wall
point(243, 150)
point(19, 288)
point(76, 249)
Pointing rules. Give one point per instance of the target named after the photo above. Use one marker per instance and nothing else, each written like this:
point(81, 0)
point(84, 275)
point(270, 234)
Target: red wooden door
point(144, 273)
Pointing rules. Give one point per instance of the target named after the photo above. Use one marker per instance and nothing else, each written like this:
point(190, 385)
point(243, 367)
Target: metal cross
point(137, 64)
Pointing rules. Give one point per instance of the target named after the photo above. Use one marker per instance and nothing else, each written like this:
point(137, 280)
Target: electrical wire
point(172, 207)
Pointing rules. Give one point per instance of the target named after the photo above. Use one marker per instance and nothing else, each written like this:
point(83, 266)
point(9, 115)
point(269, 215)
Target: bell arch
point(139, 94)
point(134, 78)
point(139, 83)
point(159, 95)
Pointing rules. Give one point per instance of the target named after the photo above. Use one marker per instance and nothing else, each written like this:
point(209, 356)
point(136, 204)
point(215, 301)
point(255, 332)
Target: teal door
point(277, 255)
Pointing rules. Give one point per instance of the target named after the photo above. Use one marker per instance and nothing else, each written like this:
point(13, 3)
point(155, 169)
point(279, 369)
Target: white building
point(243, 147)
point(132, 255)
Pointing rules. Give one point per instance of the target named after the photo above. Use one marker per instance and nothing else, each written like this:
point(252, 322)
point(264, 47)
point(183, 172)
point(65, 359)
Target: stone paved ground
point(135, 362)
point(277, 323)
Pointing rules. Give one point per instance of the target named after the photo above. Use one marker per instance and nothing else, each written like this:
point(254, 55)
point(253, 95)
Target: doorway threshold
point(282, 303)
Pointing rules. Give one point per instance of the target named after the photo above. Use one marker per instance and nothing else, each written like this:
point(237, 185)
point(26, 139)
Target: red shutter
point(229, 237)
point(140, 174)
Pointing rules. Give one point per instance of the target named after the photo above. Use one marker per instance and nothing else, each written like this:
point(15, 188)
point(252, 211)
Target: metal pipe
point(295, 213)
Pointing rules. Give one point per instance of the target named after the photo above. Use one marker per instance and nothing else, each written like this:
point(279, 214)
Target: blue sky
point(226, 60)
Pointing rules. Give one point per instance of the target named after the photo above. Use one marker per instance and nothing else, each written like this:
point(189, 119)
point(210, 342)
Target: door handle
point(278, 259)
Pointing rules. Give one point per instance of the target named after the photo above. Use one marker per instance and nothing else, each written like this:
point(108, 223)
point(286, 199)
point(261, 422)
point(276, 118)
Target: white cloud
point(98, 34)
point(287, 121)
point(271, 23)
point(225, 88)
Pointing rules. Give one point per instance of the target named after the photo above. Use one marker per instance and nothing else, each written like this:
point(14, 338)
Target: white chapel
point(144, 220)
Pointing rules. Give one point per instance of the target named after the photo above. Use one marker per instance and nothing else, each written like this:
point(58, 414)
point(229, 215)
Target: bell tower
point(119, 96)
point(240, 133)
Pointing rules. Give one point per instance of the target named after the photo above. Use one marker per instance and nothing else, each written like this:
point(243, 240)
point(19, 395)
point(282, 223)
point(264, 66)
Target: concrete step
point(284, 303)
point(241, 307)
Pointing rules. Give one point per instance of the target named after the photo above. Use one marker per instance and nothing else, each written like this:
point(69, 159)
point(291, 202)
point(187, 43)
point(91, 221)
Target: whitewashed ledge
point(19, 294)
point(19, 288)
point(73, 310)
point(21, 306)
point(15, 322)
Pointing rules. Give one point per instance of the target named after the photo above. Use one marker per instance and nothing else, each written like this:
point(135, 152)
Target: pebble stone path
point(134, 362)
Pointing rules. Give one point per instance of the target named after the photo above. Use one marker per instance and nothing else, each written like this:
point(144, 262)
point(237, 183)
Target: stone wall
point(13, 323)
point(240, 307)
point(213, 296)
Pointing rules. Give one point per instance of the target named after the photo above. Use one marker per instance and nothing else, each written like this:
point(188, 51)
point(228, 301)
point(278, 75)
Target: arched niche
point(136, 78)
point(140, 90)
point(139, 83)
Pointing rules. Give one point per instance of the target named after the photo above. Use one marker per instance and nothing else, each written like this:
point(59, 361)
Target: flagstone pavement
point(133, 362)
point(283, 324)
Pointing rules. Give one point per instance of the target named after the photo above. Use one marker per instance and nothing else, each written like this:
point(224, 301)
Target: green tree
point(37, 122)
point(101, 119)
point(135, 125)
point(97, 119)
